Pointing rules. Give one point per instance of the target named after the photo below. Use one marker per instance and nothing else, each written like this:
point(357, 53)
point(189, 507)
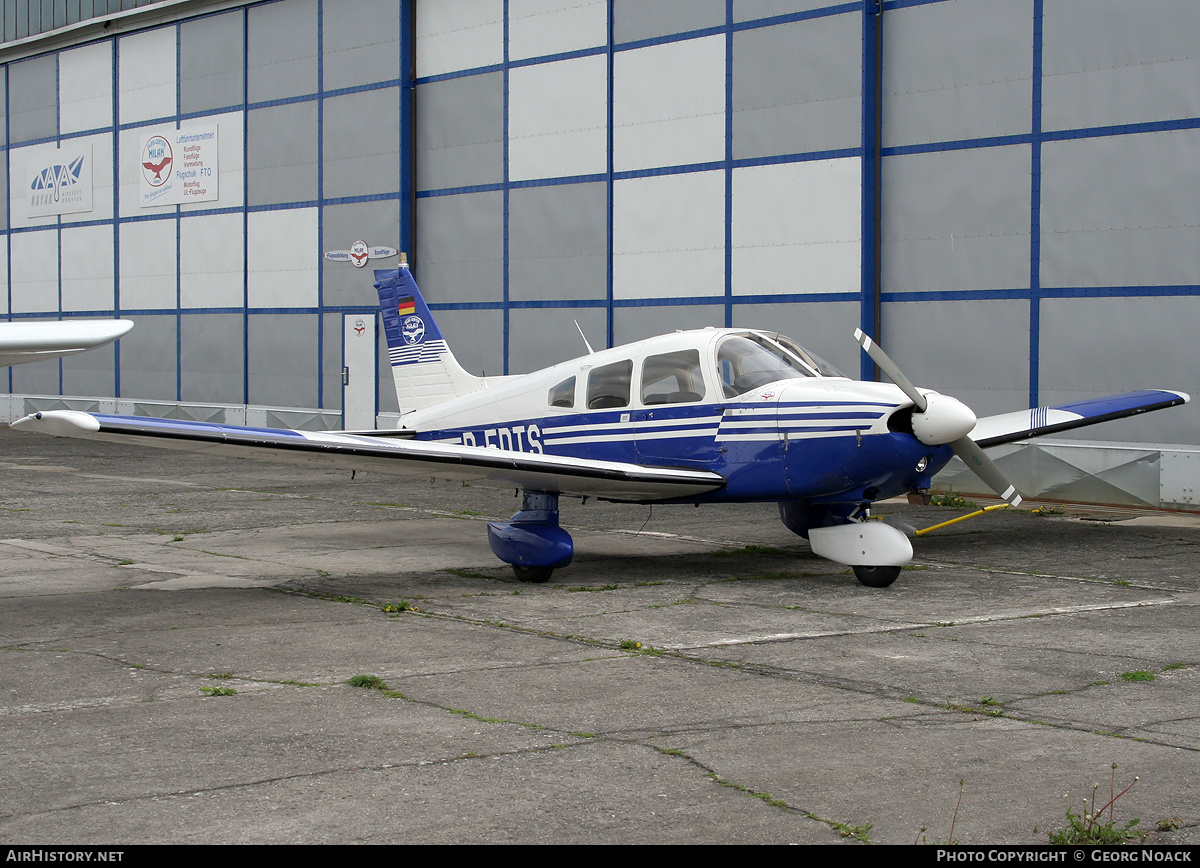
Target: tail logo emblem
point(413, 330)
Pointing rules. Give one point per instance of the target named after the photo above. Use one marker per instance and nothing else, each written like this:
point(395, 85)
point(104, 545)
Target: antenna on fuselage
point(585, 340)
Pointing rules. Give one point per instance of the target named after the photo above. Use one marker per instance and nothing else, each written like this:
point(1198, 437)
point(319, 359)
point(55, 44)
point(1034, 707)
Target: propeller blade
point(902, 526)
point(879, 357)
point(964, 447)
point(983, 467)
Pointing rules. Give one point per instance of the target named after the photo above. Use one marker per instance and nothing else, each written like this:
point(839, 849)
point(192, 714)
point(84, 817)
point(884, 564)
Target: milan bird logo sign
point(157, 161)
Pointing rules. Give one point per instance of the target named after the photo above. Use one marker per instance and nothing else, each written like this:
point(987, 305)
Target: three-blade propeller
point(939, 419)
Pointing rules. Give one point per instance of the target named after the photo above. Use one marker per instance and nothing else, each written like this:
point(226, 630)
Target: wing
point(1039, 421)
point(395, 455)
point(22, 342)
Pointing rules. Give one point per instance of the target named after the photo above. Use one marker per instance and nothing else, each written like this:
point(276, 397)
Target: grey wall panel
point(957, 70)
point(635, 323)
point(460, 247)
point(89, 373)
point(148, 359)
point(378, 224)
point(283, 360)
point(460, 132)
point(33, 99)
point(362, 161)
point(750, 10)
point(1121, 210)
point(956, 220)
point(476, 337)
point(646, 19)
point(797, 87)
point(331, 361)
point(977, 351)
point(557, 242)
point(544, 337)
point(1111, 62)
point(361, 42)
point(281, 153)
point(211, 358)
point(384, 384)
point(1096, 346)
point(37, 378)
point(282, 56)
point(825, 328)
point(210, 63)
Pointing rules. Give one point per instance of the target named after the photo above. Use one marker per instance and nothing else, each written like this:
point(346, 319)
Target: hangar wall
point(636, 166)
point(232, 301)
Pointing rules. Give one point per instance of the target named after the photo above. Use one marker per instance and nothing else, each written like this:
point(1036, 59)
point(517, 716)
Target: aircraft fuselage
point(811, 437)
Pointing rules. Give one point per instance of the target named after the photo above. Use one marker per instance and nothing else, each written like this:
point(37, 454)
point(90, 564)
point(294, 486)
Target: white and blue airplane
point(711, 415)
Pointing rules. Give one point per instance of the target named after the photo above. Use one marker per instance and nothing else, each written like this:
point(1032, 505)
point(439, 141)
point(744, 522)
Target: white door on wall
point(358, 371)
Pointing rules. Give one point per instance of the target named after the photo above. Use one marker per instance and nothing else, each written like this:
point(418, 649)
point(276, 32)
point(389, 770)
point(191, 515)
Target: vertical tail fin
point(423, 368)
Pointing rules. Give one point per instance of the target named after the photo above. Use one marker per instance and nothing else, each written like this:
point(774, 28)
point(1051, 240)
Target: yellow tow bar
point(962, 518)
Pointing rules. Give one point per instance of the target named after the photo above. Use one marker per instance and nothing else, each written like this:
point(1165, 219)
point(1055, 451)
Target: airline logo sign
point(59, 180)
point(179, 166)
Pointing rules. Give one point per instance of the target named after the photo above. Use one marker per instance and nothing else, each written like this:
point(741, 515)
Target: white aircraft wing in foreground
point(22, 342)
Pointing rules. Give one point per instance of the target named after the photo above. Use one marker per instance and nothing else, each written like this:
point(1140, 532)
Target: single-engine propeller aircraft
point(703, 416)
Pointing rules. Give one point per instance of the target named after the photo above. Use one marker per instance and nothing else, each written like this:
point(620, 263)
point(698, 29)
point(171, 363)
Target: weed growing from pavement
point(1137, 675)
point(1090, 827)
point(218, 691)
point(953, 820)
point(953, 501)
point(371, 682)
point(749, 550)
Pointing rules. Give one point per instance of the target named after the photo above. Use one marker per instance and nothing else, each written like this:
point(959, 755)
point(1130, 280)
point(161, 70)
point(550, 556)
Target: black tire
point(876, 577)
point(534, 575)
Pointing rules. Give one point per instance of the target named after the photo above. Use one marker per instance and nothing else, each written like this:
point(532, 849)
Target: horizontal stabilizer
point(1040, 421)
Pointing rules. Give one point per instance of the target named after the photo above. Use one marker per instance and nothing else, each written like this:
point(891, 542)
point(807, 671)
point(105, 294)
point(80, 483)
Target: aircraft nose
point(945, 420)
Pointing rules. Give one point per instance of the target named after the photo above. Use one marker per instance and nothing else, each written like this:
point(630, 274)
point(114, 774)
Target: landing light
point(922, 464)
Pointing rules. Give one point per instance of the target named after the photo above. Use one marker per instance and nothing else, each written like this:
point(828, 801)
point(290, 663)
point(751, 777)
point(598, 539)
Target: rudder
point(423, 367)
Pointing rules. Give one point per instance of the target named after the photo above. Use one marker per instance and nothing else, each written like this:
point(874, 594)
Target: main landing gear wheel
point(876, 577)
point(541, 575)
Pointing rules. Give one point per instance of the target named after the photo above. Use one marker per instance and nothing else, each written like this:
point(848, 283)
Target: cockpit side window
point(745, 362)
point(562, 395)
point(672, 378)
point(609, 386)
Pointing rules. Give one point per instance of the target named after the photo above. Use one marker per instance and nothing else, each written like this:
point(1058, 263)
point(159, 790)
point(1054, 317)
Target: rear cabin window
point(608, 386)
point(562, 395)
point(672, 378)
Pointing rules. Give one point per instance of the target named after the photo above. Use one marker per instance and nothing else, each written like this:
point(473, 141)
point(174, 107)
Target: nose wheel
point(533, 575)
point(876, 577)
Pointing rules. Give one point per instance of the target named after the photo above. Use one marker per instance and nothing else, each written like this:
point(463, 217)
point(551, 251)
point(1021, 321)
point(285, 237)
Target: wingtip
point(61, 423)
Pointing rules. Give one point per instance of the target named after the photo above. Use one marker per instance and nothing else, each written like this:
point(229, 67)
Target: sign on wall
point(178, 166)
point(59, 180)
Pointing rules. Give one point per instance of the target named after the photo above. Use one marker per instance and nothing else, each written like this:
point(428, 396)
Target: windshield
point(745, 362)
point(810, 358)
